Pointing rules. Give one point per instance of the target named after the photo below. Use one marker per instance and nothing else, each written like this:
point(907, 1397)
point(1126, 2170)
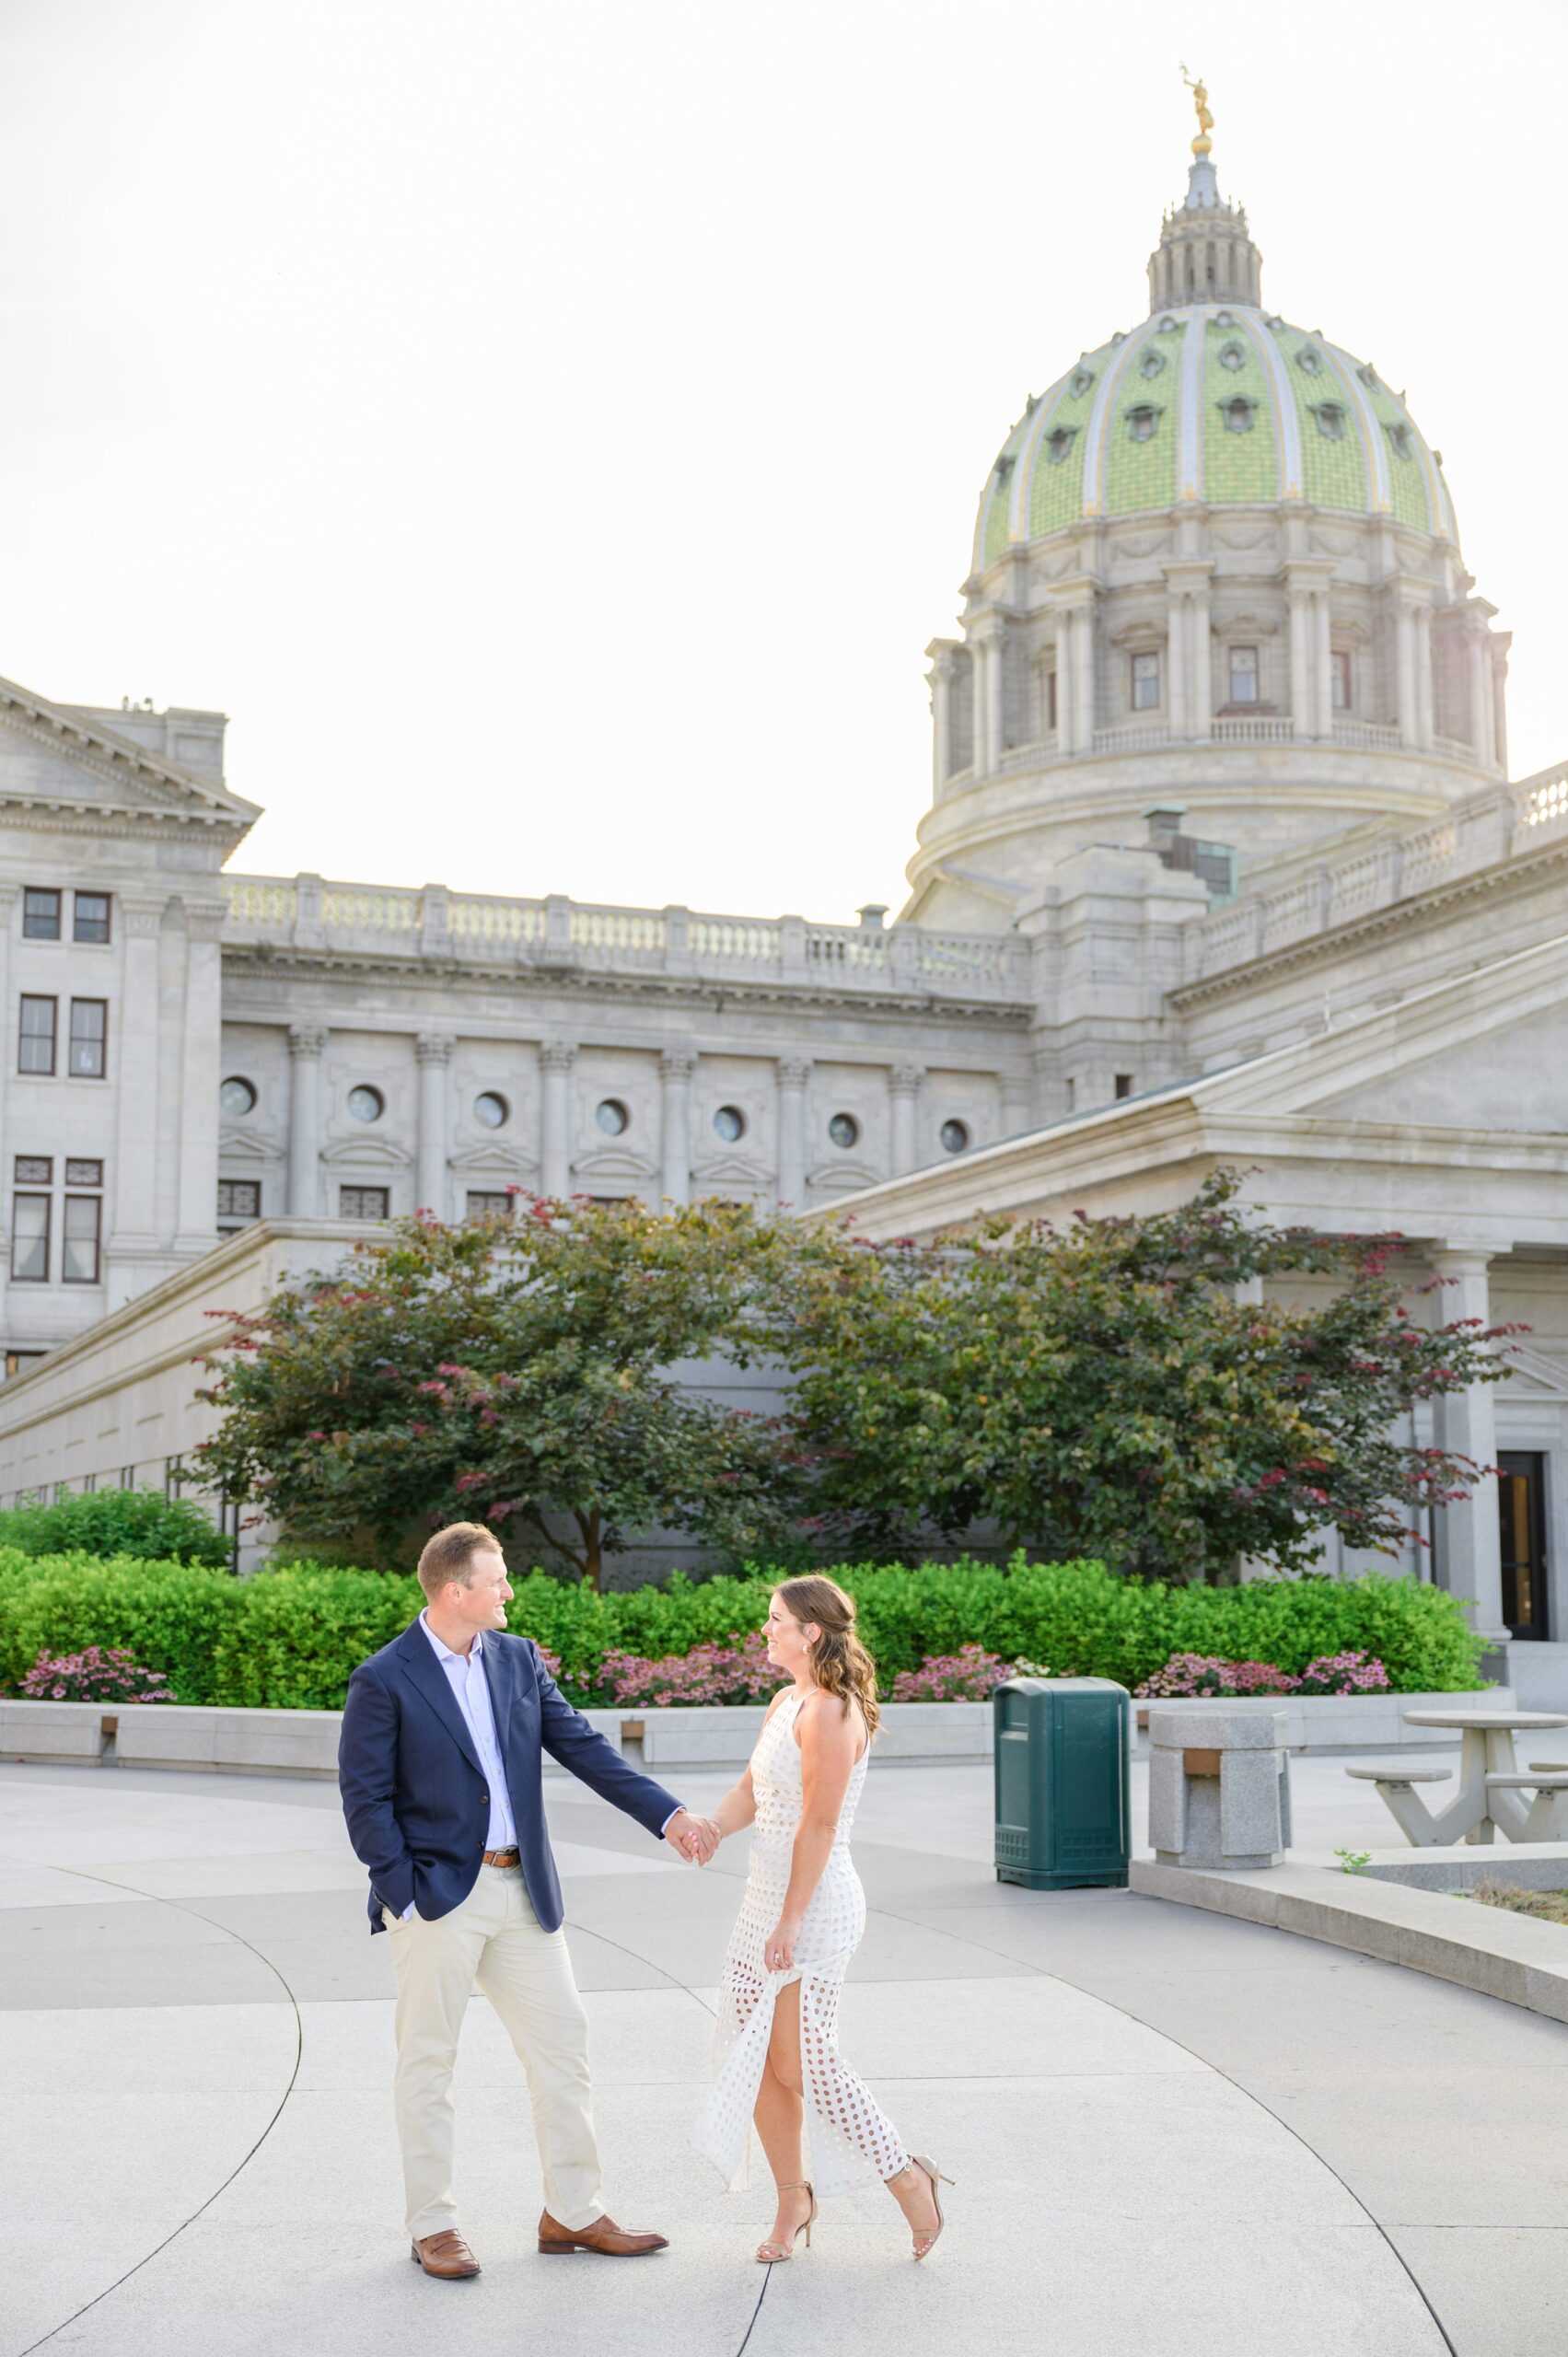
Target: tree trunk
point(591, 1524)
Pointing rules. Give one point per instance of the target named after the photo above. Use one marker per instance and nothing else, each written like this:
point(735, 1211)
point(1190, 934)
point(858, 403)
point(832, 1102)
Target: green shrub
point(110, 1523)
point(170, 1615)
point(289, 1638)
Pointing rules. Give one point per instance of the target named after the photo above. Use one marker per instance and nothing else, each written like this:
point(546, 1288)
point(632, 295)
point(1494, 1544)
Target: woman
point(800, 1922)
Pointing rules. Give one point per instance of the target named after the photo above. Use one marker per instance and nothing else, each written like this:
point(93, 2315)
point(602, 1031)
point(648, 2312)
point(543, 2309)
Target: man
point(439, 1766)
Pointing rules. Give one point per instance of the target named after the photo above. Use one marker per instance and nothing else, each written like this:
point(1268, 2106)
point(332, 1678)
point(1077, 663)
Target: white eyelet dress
point(850, 2140)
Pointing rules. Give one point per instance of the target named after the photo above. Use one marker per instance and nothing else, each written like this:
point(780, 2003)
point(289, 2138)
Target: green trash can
point(1063, 1813)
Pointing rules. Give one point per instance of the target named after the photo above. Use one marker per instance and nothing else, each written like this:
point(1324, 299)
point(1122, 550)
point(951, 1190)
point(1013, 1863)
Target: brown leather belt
point(503, 1858)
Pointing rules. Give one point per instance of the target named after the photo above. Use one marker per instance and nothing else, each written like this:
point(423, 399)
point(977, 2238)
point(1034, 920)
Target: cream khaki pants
point(493, 1939)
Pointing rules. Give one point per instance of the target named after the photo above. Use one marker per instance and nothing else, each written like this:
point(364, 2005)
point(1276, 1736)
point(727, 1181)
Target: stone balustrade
point(1506, 823)
point(304, 912)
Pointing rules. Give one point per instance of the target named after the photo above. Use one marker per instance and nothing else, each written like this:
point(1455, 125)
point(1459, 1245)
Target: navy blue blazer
point(416, 1799)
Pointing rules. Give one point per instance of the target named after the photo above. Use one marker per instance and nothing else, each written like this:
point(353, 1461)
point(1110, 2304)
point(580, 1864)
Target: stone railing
point(1255, 728)
point(304, 913)
point(1375, 735)
point(1481, 832)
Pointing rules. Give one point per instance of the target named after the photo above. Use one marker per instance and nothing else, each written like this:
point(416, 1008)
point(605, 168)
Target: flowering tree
point(1109, 1391)
point(512, 1371)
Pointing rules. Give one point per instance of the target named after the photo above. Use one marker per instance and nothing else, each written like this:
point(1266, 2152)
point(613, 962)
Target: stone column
point(555, 1061)
point(675, 1068)
point(196, 1226)
point(794, 1072)
point(1467, 1423)
point(904, 1081)
point(980, 703)
point(1301, 709)
point(1424, 721)
point(434, 1050)
point(1498, 644)
point(941, 719)
point(995, 710)
point(1478, 686)
point(1177, 617)
point(1322, 666)
point(1066, 726)
point(1084, 692)
point(133, 1219)
point(1409, 717)
point(1200, 652)
point(306, 1043)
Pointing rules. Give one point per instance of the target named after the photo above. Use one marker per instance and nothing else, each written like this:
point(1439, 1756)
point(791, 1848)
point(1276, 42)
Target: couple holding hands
point(440, 1767)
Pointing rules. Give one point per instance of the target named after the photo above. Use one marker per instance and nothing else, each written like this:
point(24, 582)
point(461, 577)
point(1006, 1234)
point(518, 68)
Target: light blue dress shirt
point(465, 1674)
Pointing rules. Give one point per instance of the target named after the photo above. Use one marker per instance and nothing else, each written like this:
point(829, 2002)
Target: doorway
point(1521, 1506)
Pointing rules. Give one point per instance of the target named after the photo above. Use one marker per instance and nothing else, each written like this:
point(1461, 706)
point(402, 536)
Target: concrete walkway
point(1174, 2135)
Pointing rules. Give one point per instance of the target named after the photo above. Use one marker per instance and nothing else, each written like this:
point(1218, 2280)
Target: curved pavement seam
point(246, 2158)
point(1039, 1972)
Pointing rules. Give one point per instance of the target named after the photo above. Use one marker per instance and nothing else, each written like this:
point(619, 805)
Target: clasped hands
point(695, 1839)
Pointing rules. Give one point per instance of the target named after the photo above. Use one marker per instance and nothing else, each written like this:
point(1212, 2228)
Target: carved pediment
point(615, 1162)
point(54, 757)
point(248, 1146)
point(366, 1153)
point(1534, 1376)
point(514, 1160)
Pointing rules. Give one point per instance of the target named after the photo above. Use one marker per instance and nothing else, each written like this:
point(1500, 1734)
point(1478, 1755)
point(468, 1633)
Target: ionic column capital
point(557, 1055)
point(794, 1072)
point(905, 1079)
point(432, 1048)
point(307, 1039)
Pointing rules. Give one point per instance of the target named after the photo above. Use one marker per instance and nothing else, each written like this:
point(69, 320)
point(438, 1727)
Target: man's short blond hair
point(449, 1555)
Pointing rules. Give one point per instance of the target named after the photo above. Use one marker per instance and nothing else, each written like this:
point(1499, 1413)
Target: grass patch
point(1548, 1905)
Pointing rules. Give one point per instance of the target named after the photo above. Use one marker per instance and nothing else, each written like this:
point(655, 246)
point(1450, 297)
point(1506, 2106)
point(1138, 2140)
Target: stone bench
point(1546, 1819)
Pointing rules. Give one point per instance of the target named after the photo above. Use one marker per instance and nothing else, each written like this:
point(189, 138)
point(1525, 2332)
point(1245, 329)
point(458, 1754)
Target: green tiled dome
point(1225, 406)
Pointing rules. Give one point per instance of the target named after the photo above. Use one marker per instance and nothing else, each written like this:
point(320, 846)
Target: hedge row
point(289, 1638)
point(111, 1522)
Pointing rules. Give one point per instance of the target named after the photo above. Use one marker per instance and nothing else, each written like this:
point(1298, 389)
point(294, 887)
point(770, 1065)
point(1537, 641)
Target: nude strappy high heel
point(925, 2244)
point(769, 2254)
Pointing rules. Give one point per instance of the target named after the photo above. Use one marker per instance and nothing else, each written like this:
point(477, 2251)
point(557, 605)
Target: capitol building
point(1221, 864)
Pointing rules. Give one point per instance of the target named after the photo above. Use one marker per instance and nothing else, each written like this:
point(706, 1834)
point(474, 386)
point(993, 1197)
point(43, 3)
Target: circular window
point(236, 1096)
point(729, 1123)
point(845, 1129)
point(954, 1136)
point(492, 1110)
point(366, 1104)
point(611, 1116)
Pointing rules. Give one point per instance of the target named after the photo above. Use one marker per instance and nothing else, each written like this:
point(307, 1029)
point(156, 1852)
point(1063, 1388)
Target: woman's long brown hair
point(840, 1663)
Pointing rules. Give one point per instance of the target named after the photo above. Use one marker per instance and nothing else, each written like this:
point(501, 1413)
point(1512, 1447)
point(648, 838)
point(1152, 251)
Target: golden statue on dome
point(1203, 144)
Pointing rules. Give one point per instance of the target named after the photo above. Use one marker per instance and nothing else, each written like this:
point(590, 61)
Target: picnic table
point(1492, 1788)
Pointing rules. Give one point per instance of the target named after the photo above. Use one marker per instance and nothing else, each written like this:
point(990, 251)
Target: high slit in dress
point(850, 2140)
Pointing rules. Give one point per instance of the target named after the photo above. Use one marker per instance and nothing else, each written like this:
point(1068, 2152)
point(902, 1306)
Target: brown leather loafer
point(446, 2255)
point(604, 2235)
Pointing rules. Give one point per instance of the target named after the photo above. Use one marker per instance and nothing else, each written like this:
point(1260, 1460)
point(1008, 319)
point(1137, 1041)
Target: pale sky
point(552, 434)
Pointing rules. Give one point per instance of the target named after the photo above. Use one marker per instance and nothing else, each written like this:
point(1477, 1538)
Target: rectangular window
point(89, 1032)
point(484, 1204)
point(363, 1202)
point(41, 915)
point(83, 1174)
point(1146, 682)
point(1123, 1083)
point(1050, 704)
point(1244, 675)
point(18, 1362)
point(1339, 682)
point(79, 1255)
point(238, 1199)
point(30, 1239)
point(35, 1169)
point(39, 1016)
point(89, 914)
point(1521, 1506)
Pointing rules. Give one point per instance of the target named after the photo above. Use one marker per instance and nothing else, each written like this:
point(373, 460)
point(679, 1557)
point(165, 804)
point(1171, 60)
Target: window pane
point(38, 1034)
point(484, 1204)
point(84, 1174)
point(90, 912)
point(29, 1238)
point(1244, 675)
point(362, 1202)
point(1341, 681)
point(41, 916)
point(1146, 682)
point(239, 1199)
point(90, 1021)
point(80, 1257)
point(35, 1169)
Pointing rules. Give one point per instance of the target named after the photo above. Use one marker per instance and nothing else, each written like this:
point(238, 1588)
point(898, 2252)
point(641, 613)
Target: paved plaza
point(1175, 2134)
